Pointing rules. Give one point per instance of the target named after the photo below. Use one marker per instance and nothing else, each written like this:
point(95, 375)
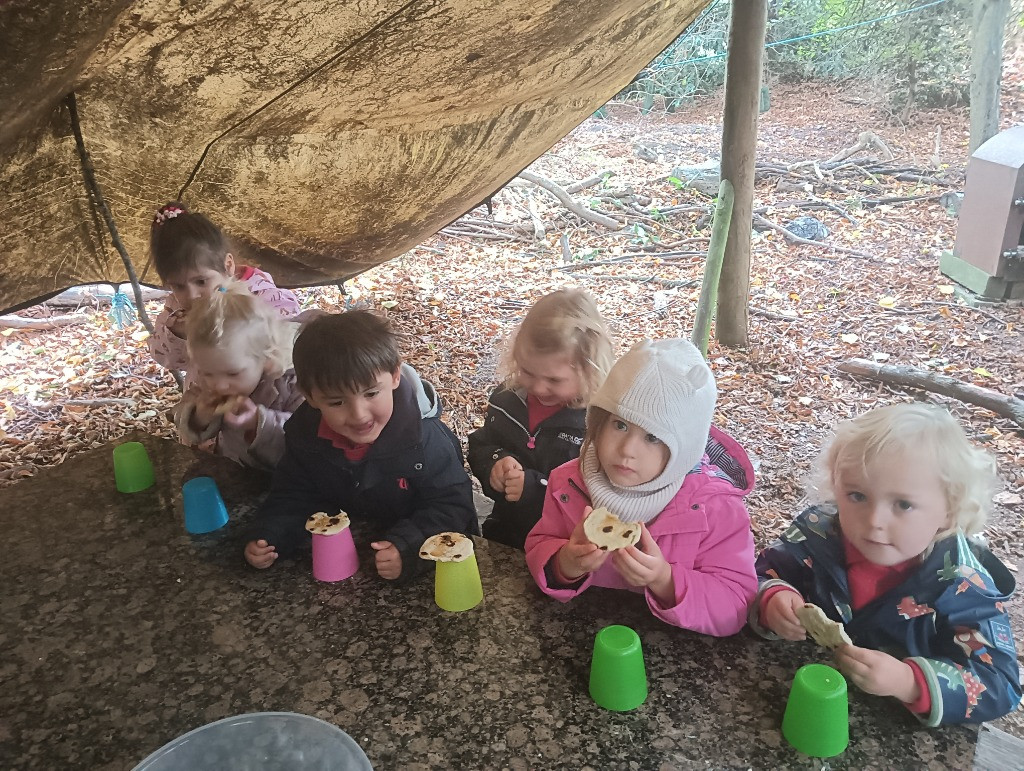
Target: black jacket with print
point(505, 433)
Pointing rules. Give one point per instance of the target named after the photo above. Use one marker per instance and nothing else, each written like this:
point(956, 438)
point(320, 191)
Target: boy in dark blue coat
point(887, 554)
point(369, 441)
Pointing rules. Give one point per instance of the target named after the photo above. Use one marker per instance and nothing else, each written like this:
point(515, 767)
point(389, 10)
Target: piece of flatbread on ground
point(826, 632)
point(322, 523)
point(447, 547)
point(608, 532)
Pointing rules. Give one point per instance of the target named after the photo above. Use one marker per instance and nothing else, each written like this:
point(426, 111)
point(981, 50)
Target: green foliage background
point(920, 59)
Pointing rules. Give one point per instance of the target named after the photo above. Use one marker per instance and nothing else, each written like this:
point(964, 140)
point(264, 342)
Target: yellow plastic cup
point(457, 585)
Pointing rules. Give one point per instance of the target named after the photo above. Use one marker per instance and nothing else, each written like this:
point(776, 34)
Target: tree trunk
point(986, 68)
point(739, 155)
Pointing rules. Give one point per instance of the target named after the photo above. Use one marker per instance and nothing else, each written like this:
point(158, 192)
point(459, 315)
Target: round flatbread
point(447, 547)
point(326, 524)
point(608, 532)
point(825, 631)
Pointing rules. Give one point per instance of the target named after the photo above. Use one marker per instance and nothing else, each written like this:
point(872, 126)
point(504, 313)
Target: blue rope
point(813, 34)
point(122, 311)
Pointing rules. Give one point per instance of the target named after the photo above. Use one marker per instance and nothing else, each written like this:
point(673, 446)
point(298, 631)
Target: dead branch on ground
point(569, 202)
point(20, 322)
point(933, 382)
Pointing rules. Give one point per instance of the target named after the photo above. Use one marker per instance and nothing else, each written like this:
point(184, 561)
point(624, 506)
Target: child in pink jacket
point(651, 456)
point(192, 256)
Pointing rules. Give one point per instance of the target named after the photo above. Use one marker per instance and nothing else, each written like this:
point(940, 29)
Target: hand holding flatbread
point(826, 632)
point(608, 532)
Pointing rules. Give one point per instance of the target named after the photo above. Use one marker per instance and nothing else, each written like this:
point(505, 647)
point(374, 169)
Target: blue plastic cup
point(204, 508)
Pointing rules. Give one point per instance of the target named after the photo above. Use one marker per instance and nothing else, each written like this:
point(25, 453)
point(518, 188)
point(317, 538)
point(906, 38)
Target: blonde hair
point(567, 322)
point(233, 316)
point(968, 474)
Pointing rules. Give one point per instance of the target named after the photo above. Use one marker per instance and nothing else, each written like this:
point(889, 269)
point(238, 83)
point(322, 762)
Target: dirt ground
point(811, 307)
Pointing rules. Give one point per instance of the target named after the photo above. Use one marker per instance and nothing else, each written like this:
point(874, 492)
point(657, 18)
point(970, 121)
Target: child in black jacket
point(557, 358)
point(368, 441)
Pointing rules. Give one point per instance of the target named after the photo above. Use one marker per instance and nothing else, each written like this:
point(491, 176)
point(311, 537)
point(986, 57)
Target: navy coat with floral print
point(948, 617)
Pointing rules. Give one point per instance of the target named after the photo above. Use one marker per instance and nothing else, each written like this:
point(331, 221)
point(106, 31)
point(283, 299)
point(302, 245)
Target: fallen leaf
point(887, 302)
point(1006, 498)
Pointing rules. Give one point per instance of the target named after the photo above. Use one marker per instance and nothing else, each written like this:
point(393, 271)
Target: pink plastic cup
point(334, 556)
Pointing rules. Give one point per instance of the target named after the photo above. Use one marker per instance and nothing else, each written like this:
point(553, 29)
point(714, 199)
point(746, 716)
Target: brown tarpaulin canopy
point(326, 137)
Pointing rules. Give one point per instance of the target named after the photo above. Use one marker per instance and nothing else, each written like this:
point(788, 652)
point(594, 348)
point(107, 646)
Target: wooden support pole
point(739, 154)
point(986, 68)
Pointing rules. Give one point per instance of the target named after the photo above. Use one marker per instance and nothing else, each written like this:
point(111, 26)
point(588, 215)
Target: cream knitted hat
point(666, 388)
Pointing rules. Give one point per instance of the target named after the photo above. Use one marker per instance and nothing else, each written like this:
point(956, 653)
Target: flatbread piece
point(825, 631)
point(326, 524)
point(230, 404)
point(608, 532)
point(447, 547)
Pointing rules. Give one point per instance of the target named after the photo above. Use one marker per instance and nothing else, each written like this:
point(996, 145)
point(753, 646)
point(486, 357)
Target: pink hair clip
point(167, 213)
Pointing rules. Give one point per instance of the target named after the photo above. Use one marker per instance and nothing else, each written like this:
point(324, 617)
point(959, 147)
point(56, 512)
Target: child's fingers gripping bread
point(608, 532)
point(826, 632)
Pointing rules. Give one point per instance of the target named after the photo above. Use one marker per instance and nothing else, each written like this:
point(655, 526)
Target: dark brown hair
point(180, 241)
point(344, 352)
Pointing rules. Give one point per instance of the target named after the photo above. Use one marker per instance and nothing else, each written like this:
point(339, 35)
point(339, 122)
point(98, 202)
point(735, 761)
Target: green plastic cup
point(457, 585)
point(133, 470)
point(817, 718)
point(618, 679)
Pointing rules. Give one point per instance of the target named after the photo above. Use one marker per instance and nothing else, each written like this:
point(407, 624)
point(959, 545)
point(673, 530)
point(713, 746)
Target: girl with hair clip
point(652, 458)
point(192, 256)
point(243, 386)
point(886, 550)
point(555, 360)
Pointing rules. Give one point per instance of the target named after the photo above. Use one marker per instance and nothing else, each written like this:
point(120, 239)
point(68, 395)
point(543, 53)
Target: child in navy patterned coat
point(886, 552)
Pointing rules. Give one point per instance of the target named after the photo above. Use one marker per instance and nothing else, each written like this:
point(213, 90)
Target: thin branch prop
point(713, 270)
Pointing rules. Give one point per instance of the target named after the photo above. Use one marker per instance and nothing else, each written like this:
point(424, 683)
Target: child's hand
point(579, 555)
point(878, 673)
point(514, 482)
point(260, 554)
point(243, 416)
point(501, 469)
point(205, 411)
point(176, 323)
point(645, 565)
point(780, 615)
point(387, 559)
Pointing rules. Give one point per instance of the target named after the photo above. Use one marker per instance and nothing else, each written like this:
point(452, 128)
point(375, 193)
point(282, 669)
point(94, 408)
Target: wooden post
point(986, 68)
point(739, 153)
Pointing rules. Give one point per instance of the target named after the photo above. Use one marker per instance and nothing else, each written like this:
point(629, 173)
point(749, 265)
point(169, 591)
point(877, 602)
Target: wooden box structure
point(988, 256)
